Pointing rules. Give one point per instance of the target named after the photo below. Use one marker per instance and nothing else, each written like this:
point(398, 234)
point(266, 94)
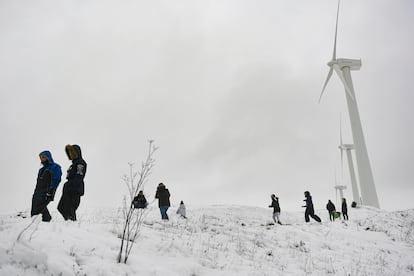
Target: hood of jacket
point(48, 155)
point(73, 152)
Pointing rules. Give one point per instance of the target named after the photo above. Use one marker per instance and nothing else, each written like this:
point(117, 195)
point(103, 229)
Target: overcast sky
point(227, 89)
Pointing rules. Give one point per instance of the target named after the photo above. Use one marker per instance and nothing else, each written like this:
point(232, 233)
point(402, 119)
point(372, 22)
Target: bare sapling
point(133, 217)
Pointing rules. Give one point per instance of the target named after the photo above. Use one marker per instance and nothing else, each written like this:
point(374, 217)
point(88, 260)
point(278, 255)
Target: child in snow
point(276, 208)
point(181, 210)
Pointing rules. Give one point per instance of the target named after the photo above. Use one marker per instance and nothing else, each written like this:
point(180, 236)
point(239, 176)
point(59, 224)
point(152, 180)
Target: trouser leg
point(39, 206)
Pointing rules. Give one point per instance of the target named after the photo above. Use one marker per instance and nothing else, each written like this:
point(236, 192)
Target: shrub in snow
point(133, 218)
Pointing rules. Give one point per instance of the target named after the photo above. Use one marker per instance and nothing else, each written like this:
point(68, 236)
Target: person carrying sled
point(48, 179)
point(140, 202)
point(276, 208)
point(331, 210)
point(163, 196)
point(309, 211)
point(344, 209)
point(181, 210)
point(74, 187)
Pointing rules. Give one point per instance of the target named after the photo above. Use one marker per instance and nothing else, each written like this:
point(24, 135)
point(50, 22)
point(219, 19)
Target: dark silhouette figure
point(276, 208)
point(163, 196)
point(344, 209)
point(140, 202)
point(309, 211)
point(74, 187)
point(331, 209)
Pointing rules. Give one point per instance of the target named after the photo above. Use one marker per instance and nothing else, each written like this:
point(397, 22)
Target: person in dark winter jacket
point(331, 210)
point(140, 202)
point(48, 179)
point(309, 211)
point(74, 187)
point(344, 209)
point(163, 196)
point(276, 208)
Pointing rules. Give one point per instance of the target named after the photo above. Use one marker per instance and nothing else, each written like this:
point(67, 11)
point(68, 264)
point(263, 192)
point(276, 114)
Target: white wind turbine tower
point(347, 148)
point(343, 68)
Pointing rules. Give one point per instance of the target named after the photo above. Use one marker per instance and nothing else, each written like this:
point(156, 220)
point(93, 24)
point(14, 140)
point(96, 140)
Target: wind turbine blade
point(347, 89)
point(326, 82)
point(336, 32)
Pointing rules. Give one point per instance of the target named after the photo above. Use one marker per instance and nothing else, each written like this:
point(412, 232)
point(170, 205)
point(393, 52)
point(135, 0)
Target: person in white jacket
point(181, 210)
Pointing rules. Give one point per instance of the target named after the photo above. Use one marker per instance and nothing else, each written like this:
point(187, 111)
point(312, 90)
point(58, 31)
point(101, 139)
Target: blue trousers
point(163, 210)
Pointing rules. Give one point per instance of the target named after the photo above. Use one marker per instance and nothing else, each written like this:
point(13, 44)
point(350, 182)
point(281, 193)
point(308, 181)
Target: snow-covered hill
point(214, 240)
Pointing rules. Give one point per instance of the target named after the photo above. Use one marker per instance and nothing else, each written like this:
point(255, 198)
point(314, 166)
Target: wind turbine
point(339, 188)
point(347, 148)
point(343, 69)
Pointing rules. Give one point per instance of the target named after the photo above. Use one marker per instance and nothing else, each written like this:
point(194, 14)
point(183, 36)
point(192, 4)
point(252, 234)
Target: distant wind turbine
point(343, 69)
point(347, 148)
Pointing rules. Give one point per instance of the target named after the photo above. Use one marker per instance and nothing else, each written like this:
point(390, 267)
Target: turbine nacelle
point(346, 147)
point(353, 64)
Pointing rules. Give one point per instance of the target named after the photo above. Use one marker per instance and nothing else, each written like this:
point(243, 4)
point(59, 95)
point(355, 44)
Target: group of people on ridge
point(333, 214)
point(309, 211)
point(163, 196)
point(48, 179)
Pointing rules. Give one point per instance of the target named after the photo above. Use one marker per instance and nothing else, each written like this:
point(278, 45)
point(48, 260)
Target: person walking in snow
point(74, 187)
point(140, 202)
point(163, 196)
point(276, 208)
point(181, 210)
point(331, 210)
point(309, 211)
point(344, 209)
point(48, 179)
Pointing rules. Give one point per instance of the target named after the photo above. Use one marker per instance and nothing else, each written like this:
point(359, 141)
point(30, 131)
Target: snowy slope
point(215, 240)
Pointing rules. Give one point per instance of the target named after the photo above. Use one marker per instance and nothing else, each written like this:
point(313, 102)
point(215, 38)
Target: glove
point(50, 195)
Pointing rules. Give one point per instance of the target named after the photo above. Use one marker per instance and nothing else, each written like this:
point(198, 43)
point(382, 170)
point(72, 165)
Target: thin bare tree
point(133, 218)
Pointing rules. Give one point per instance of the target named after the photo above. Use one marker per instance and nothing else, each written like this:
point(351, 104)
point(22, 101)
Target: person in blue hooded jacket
point(48, 179)
point(74, 187)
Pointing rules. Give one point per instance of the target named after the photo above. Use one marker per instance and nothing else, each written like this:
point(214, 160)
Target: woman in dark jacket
point(309, 211)
point(74, 187)
point(163, 196)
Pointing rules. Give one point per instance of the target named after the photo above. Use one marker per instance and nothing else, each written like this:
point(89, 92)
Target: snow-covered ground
point(214, 240)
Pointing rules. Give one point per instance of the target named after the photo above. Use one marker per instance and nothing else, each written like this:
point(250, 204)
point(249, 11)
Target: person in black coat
point(276, 208)
point(48, 179)
point(140, 202)
point(331, 210)
point(163, 196)
point(309, 211)
point(344, 209)
point(74, 187)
